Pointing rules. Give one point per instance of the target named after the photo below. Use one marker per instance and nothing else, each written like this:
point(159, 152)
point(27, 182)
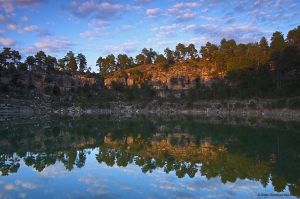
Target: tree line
point(10, 59)
point(276, 65)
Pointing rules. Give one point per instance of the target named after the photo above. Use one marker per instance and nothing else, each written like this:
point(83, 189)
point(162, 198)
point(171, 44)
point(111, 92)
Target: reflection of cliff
point(178, 145)
point(182, 146)
point(47, 139)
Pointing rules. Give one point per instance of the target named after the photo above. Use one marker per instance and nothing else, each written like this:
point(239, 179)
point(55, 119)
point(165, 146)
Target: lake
point(148, 156)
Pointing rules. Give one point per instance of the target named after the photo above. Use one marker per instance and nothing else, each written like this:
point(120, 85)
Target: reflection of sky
point(96, 180)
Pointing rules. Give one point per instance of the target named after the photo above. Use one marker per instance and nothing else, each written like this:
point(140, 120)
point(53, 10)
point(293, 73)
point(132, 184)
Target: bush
point(116, 85)
point(294, 103)
point(280, 103)
point(56, 90)
point(252, 105)
point(48, 79)
point(189, 103)
point(238, 105)
point(173, 80)
point(48, 90)
point(5, 89)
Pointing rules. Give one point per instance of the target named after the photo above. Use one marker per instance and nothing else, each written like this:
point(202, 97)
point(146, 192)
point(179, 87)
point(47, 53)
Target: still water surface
point(148, 157)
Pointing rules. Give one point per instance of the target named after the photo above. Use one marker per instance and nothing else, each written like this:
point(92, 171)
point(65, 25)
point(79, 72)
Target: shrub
point(5, 89)
point(48, 89)
point(218, 106)
point(238, 105)
point(173, 80)
point(56, 90)
point(107, 104)
point(224, 104)
point(189, 103)
point(294, 103)
point(116, 85)
point(252, 105)
point(48, 79)
point(280, 103)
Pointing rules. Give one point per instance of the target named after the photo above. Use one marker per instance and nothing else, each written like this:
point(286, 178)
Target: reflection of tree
point(80, 161)
point(181, 169)
point(149, 166)
point(192, 169)
point(9, 163)
point(123, 158)
point(295, 189)
point(106, 155)
point(278, 182)
point(29, 159)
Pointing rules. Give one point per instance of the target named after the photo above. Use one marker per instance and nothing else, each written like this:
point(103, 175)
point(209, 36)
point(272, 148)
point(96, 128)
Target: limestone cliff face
point(175, 77)
point(39, 80)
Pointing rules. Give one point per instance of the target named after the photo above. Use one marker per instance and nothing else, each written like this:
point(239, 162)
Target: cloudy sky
point(101, 27)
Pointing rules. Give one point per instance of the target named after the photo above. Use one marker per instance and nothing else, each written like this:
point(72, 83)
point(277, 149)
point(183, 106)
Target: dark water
point(148, 157)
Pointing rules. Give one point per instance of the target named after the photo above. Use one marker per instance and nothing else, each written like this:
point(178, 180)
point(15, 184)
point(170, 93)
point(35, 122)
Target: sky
point(101, 27)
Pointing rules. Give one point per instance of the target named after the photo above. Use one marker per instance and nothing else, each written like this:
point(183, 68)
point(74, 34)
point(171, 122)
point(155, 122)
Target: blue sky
point(101, 27)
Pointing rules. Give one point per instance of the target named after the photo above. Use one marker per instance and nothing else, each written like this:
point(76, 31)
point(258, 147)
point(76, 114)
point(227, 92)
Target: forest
point(260, 69)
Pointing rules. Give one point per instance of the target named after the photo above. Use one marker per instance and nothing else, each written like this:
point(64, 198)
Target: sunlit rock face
point(176, 77)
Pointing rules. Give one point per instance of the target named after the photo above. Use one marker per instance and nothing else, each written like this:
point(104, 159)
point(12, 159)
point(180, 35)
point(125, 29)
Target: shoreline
point(139, 108)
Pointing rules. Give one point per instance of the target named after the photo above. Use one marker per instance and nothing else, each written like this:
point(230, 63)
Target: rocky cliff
point(179, 76)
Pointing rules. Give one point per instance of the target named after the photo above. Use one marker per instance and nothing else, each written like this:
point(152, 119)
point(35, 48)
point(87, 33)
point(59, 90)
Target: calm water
point(148, 157)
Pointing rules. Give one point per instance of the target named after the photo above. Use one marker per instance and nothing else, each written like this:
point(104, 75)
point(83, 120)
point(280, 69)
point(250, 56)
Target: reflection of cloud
point(10, 187)
point(26, 185)
point(123, 186)
point(49, 191)
point(22, 195)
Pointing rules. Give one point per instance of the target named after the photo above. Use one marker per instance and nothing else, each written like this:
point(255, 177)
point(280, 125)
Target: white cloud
point(51, 44)
point(29, 29)
point(293, 6)
point(154, 29)
point(125, 27)
point(24, 18)
point(50, 23)
point(91, 34)
point(143, 1)
point(42, 32)
point(7, 41)
point(184, 16)
point(185, 5)
point(125, 47)
point(8, 7)
point(153, 12)
point(205, 10)
point(12, 26)
point(278, 3)
point(102, 22)
point(97, 10)
point(168, 28)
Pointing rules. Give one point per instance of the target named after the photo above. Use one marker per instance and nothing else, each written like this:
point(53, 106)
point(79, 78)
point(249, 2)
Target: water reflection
point(217, 148)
